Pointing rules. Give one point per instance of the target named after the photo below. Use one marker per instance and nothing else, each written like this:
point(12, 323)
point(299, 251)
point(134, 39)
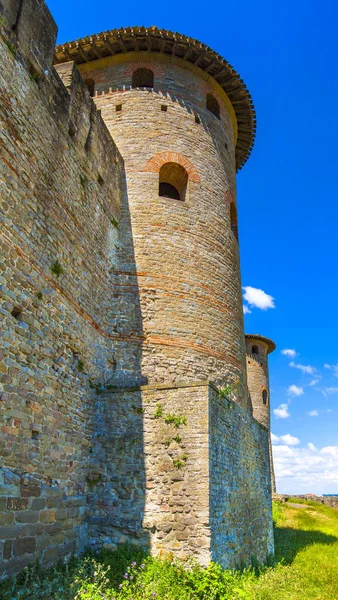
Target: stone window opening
point(164, 108)
point(213, 106)
point(233, 220)
point(265, 396)
point(143, 78)
point(90, 83)
point(16, 313)
point(254, 349)
point(173, 181)
point(118, 107)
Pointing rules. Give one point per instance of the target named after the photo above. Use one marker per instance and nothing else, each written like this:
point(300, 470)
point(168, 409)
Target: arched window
point(143, 78)
point(213, 106)
point(265, 396)
point(233, 220)
point(173, 181)
point(254, 349)
point(90, 83)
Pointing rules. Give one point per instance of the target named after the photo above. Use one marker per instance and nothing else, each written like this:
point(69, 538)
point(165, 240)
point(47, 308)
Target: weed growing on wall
point(11, 47)
point(225, 392)
point(56, 268)
point(80, 366)
point(176, 420)
point(158, 412)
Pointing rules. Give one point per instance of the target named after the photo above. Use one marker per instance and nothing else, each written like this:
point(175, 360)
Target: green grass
point(305, 567)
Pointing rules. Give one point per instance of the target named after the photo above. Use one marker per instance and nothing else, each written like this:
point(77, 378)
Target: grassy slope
point(305, 568)
point(306, 554)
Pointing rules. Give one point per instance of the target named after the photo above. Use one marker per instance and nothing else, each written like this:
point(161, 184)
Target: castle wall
point(104, 284)
point(61, 187)
point(157, 504)
point(240, 485)
point(201, 489)
point(186, 254)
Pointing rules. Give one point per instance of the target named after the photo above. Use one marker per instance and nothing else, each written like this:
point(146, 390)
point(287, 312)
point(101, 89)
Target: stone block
point(38, 503)
point(26, 516)
point(30, 490)
point(17, 503)
point(6, 518)
point(50, 555)
point(47, 516)
point(24, 546)
point(9, 490)
point(7, 551)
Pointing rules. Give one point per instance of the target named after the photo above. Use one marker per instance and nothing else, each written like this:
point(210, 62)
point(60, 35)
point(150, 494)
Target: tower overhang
point(167, 43)
point(271, 346)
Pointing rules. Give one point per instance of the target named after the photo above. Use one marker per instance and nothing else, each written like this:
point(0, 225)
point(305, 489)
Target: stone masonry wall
point(199, 489)
point(61, 187)
point(142, 494)
point(186, 254)
point(240, 485)
point(106, 285)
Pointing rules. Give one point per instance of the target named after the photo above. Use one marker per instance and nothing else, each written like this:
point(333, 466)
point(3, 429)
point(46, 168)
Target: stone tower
point(257, 350)
point(166, 101)
point(183, 122)
point(125, 413)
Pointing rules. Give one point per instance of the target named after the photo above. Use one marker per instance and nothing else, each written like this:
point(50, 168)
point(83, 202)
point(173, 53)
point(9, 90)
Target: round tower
point(257, 350)
point(183, 121)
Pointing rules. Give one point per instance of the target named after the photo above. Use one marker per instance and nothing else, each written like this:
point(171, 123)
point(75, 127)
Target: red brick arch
point(155, 163)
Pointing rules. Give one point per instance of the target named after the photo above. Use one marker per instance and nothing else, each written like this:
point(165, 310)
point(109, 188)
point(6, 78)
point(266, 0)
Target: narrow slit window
point(265, 396)
point(213, 106)
point(254, 349)
point(90, 83)
point(233, 220)
point(143, 78)
point(173, 181)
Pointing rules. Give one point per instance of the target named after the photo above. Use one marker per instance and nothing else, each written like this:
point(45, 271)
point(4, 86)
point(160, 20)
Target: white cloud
point(258, 298)
point(304, 368)
point(287, 439)
point(289, 352)
point(334, 368)
point(295, 390)
point(313, 413)
point(282, 412)
point(246, 309)
point(306, 470)
point(330, 390)
point(329, 410)
point(314, 381)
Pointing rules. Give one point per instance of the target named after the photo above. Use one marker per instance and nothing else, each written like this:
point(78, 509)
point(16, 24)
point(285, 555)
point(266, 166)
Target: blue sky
point(287, 197)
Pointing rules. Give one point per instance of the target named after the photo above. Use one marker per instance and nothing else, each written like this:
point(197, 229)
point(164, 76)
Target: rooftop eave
point(260, 338)
point(135, 39)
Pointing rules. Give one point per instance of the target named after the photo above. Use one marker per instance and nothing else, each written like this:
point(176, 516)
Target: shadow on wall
point(117, 482)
